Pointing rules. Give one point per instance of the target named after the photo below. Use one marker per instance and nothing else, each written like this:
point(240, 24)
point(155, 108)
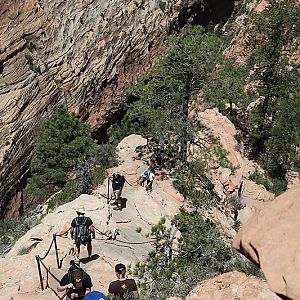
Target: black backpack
point(76, 277)
point(82, 233)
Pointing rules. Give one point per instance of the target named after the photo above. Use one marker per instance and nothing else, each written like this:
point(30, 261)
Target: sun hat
point(119, 268)
point(80, 209)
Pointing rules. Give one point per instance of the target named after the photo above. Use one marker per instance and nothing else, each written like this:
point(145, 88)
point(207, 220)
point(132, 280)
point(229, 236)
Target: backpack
point(76, 277)
point(146, 174)
point(82, 233)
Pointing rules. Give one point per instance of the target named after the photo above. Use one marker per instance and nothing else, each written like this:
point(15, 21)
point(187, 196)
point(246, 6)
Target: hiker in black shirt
point(76, 282)
point(123, 286)
point(118, 182)
point(82, 231)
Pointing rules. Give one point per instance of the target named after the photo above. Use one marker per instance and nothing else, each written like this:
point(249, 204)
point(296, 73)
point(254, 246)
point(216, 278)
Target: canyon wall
point(82, 54)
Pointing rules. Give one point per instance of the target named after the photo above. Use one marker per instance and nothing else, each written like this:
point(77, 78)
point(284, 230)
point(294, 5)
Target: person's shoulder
point(65, 279)
point(73, 223)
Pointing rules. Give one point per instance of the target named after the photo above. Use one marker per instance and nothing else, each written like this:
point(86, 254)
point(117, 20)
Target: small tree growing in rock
point(63, 141)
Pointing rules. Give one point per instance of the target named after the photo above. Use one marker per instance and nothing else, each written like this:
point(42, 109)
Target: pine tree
point(274, 122)
point(63, 142)
point(164, 97)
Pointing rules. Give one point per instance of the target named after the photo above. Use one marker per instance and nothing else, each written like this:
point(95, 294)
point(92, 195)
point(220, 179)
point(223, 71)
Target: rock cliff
point(83, 54)
point(271, 240)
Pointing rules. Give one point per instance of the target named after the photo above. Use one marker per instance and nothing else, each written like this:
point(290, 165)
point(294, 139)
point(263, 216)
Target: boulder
point(271, 239)
point(233, 285)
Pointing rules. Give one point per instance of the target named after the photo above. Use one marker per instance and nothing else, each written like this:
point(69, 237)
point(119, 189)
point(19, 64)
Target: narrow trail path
point(129, 229)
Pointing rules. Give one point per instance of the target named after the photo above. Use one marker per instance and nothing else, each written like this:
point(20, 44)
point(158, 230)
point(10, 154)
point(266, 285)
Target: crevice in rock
point(206, 13)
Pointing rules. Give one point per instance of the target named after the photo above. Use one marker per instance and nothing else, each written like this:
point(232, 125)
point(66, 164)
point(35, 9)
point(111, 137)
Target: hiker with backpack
point(118, 182)
point(148, 175)
point(123, 286)
point(82, 231)
point(76, 282)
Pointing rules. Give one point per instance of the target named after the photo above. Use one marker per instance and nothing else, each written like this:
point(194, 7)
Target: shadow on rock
point(86, 260)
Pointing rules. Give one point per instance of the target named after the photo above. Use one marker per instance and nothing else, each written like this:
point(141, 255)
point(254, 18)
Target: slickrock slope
point(19, 276)
point(271, 239)
point(80, 53)
point(230, 181)
point(230, 286)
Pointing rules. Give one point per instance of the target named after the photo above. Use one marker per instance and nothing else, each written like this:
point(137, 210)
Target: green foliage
point(275, 122)
point(65, 195)
point(274, 185)
point(201, 253)
point(192, 182)
point(106, 155)
point(100, 175)
point(162, 99)
point(85, 175)
point(12, 230)
point(242, 264)
point(225, 86)
point(63, 141)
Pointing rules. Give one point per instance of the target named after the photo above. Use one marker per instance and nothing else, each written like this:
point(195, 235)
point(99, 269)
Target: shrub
point(106, 155)
point(85, 176)
point(201, 253)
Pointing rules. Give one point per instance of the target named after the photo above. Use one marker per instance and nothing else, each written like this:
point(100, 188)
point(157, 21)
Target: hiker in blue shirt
point(95, 296)
point(118, 182)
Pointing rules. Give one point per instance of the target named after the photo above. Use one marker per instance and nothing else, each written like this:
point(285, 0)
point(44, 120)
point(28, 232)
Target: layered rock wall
point(79, 53)
point(82, 54)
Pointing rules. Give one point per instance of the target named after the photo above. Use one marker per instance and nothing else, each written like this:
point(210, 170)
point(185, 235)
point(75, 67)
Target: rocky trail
point(123, 238)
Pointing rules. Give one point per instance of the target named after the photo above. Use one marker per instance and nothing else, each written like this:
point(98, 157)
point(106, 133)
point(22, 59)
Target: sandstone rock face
point(227, 179)
point(271, 239)
point(81, 54)
point(119, 239)
point(233, 285)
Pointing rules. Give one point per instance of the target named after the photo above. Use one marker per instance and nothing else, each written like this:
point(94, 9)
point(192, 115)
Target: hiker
point(82, 231)
point(118, 182)
point(95, 296)
point(148, 175)
point(76, 282)
point(123, 286)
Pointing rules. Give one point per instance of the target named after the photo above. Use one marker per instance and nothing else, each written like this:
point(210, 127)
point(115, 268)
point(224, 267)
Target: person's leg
point(89, 248)
point(77, 249)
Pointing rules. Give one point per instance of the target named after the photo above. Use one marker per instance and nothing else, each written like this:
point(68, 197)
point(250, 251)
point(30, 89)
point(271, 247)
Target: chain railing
point(41, 264)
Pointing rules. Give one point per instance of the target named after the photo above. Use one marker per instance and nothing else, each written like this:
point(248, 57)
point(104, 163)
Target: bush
point(85, 176)
point(192, 182)
point(12, 230)
point(106, 155)
point(201, 254)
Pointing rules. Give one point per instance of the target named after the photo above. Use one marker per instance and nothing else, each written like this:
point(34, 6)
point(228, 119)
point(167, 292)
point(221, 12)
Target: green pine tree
point(274, 122)
point(63, 142)
point(162, 100)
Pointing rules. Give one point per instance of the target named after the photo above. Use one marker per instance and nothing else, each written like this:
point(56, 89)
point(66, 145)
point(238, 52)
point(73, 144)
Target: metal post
point(40, 272)
point(108, 199)
point(56, 252)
